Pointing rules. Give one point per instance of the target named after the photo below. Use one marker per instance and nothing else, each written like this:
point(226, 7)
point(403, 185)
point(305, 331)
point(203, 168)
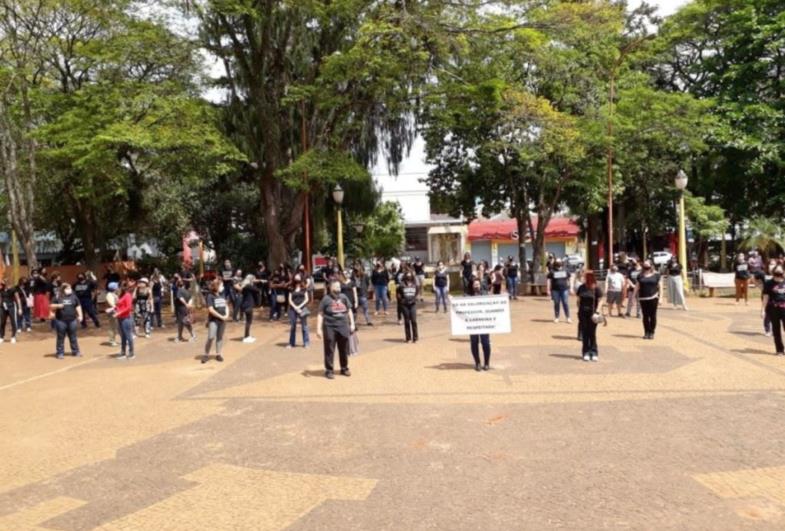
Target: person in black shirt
point(25, 290)
point(773, 306)
point(335, 323)
point(111, 276)
point(632, 280)
point(589, 297)
point(349, 289)
point(159, 283)
point(511, 272)
point(226, 275)
point(475, 340)
point(441, 285)
point(279, 283)
point(742, 278)
point(217, 315)
point(362, 282)
point(84, 290)
point(676, 284)
point(380, 279)
point(249, 295)
point(558, 288)
point(262, 283)
point(298, 311)
point(648, 293)
point(10, 310)
point(182, 311)
point(409, 307)
point(68, 313)
point(143, 306)
point(467, 273)
point(236, 296)
point(419, 276)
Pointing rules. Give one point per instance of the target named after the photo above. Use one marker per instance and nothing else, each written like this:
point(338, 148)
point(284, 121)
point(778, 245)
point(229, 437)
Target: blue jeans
point(293, 318)
point(561, 296)
point(512, 286)
point(64, 328)
point(441, 295)
point(157, 306)
point(274, 304)
point(127, 335)
point(381, 297)
point(88, 311)
point(362, 302)
point(26, 321)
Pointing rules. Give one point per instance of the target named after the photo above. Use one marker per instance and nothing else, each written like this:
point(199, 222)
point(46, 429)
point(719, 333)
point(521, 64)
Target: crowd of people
point(133, 303)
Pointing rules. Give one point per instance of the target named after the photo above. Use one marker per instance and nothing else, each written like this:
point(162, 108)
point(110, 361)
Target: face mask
point(68, 291)
point(335, 291)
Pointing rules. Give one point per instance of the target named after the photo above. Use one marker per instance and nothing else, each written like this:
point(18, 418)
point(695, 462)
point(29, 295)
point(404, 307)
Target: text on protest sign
point(485, 314)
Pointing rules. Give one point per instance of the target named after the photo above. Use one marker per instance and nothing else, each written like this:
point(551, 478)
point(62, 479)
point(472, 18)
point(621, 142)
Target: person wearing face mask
point(143, 306)
point(380, 279)
point(441, 285)
point(67, 315)
point(236, 296)
point(84, 290)
point(767, 277)
point(25, 291)
point(675, 284)
point(614, 287)
point(773, 306)
point(227, 277)
point(111, 304)
point(475, 340)
point(40, 295)
point(409, 307)
point(742, 278)
point(511, 272)
point(589, 296)
point(124, 313)
point(647, 292)
point(249, 295)
point(159, 284)
point(10, 310)
point(298, 311)
point(363, 284)
point(349, 288)
point(217, 315)
point(632, 280)
point(558, 289)
point(335, 324)
point(182, 311)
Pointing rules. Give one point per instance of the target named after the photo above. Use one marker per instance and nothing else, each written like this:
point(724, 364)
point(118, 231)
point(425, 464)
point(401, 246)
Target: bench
point(717, 280)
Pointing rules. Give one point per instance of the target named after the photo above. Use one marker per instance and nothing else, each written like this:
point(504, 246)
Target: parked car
point(574, 261)
point(660, 258)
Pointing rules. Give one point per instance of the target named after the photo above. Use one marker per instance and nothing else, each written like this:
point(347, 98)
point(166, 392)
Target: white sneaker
point(569, 321)
point(249, 339)
point(2, 340)
point(13, 340)
point(767, 334)
point(556, 320)
point(586, 357)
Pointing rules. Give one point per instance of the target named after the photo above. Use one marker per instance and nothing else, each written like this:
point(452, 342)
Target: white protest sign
point(482, 314)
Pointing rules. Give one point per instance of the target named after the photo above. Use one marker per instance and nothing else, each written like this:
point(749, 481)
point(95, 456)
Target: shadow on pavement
point(451, 366)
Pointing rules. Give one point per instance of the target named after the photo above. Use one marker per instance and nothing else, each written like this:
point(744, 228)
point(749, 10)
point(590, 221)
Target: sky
point(414, 168)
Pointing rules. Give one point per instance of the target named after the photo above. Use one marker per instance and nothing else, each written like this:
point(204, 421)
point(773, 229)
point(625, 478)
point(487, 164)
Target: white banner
point(483, 314)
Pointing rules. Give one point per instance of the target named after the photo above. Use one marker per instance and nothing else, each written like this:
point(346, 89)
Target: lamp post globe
point(338, 194)
point(681, 180)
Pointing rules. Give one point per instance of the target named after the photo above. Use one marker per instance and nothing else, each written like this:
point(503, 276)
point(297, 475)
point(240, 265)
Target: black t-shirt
point(674, 269)
point(335, 310)
point(560, 280)
point(588, 299)
point(226, 275)
point(380, 278)
point(512, 271)
point(440, 279)
point(182, 293)
point(742, 271)
point(68, 311)
point(623, 268)
point(84, 289)
point(467, 266)
point(8, 297)
point(262, 276)
point(250, 295)
point(218, 303)
point(776, 292)
point(649, 286)
point(418, 268)
point(41, 286)
point(347, 290)
point(298, 297)
point(409, 294)
point(157, 288)
point(633, 277)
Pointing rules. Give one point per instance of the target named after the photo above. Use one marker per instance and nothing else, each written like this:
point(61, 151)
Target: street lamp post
point(338, 198)
point(681, 184)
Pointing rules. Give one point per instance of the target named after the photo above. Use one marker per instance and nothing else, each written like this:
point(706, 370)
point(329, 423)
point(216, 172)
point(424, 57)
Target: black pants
point(399, 306)
point(475, 341)
point(248, 321)
point(331, 340)
point(88, 312)
point(63, 329)
point(649, 310)
point(8, 313)
point(410, 321)
point(777, 316)
point(157, 307)
point(588, 334)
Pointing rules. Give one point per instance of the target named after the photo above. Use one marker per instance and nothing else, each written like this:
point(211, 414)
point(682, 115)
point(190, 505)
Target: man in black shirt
point(511, 272)
point(262, 275)
point(68, 313)
point(84, 290)
point(467, 272)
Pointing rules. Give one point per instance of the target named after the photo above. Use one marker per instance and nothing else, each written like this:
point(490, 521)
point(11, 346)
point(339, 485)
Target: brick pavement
point(684, 432)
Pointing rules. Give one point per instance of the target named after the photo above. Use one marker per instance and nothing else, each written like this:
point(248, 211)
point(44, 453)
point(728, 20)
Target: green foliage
point(707, 221)
point(383, 233)
point(765, 235)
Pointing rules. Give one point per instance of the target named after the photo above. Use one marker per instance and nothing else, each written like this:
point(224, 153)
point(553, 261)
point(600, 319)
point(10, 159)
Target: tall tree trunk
point(19, 186)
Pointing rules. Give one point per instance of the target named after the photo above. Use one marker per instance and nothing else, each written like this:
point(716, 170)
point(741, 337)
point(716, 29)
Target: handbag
point(354, 344)
point(305, 312)
point(280, 299)
point(597, 317)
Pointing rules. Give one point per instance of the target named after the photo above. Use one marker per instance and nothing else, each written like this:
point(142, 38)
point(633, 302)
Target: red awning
point(507, 229)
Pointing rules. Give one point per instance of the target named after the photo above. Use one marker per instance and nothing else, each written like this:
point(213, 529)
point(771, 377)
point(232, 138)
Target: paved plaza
point(684, 432)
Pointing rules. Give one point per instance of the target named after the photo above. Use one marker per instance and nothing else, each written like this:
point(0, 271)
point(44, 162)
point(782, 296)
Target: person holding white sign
point(558, 288)
point(477, 339)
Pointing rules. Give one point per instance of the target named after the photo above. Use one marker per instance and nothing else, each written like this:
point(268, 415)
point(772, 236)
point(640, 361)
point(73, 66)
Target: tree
point(383, 233)
point(314, 83)
point(765, 235)
point(706, 221)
